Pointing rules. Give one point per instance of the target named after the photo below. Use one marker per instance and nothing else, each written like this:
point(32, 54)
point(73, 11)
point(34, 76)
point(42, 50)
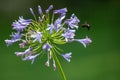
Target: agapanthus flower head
point(42, 35)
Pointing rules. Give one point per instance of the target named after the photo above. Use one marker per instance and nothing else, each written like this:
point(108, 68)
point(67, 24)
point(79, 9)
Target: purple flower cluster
point(14, 38)
point(69, 34)
point(29, 55)
point(43, 34)
point(73, 21)
point(21, 24)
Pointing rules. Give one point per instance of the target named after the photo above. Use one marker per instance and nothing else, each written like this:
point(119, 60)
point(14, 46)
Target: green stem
point(52, 18)
point(35, 17)
point(59, 65)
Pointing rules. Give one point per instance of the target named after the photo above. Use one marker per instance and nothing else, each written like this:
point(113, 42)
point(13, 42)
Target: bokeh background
point(99, 61)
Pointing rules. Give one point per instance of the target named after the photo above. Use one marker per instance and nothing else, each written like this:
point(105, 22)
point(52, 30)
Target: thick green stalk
point(59, 65)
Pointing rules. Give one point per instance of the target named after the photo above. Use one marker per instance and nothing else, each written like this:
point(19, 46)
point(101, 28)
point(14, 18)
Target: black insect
point(86, 25)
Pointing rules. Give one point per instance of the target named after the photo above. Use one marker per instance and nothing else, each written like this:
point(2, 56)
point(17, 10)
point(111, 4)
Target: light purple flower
point(32, 12)
point(19, 53)
point(37, 36)
point(67, 56)
point(10, 42)
point(73, 21)
point(31, 57)
point(22, 45)
point(24, 22)
point(60, 11)
point(57, 23)
point(84, 41)
point(47, 47)
point(62, 16)
point(26, 52)
point(21, 24)
point(69, 34)
point(16, 36)
point(49, 8)
point(40, 10)
point(51, 27)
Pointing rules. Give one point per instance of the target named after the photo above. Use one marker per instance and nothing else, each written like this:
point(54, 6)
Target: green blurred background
point(99, 61)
